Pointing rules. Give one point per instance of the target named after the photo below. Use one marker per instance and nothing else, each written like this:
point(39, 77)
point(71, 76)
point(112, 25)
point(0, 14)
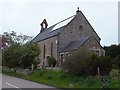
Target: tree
point(112, 51)
point(20, 52)
point(116, 62)
point(30, 52)
point(10, 38)
point(21, 55)
point(11, 55)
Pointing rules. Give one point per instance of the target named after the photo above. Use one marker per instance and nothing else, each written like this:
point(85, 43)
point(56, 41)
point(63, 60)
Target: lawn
point(60, 79)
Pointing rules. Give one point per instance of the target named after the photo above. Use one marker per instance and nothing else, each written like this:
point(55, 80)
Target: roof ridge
point(65, 19)
point(53, 27)
point(61, 21)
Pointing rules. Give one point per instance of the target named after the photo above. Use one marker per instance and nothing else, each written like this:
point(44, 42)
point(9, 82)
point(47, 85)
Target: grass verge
point(61, 79)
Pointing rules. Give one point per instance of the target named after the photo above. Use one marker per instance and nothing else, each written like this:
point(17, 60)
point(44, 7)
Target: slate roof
point(75, 44)
point(52, 31)
point(47, 33)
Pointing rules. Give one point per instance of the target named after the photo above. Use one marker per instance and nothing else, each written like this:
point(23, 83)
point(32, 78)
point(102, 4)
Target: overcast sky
point(25, 16)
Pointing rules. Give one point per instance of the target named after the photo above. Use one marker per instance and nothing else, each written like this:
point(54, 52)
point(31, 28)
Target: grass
point(60, 79)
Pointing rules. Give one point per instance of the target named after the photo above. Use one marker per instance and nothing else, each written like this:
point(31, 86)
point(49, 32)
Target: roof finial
point(77, 10)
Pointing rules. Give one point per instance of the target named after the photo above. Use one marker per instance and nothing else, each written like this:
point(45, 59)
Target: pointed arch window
point(51, 49)
point(44, 52)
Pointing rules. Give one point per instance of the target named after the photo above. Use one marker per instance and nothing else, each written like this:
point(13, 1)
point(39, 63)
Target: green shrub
point(89, 81)
point(77, 62)
point(83, 62)
point(104, 64)
point(52, 61)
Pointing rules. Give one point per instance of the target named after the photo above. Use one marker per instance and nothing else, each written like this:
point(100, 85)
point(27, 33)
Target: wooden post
point(32, 67)
point(98, 71)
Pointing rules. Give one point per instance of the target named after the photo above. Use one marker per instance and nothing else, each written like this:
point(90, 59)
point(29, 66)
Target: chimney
point(43, 25)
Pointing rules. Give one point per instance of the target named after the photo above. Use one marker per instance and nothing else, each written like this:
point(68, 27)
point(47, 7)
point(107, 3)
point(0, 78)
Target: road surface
point(13, 83)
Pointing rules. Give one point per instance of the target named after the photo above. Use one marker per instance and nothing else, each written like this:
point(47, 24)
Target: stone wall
point(78, 27)
point(17, 70)
point(47, 44)
point(93, 44)
point(23, 71)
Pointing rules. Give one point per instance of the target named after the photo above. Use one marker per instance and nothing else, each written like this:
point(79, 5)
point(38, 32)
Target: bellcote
point(44, 25)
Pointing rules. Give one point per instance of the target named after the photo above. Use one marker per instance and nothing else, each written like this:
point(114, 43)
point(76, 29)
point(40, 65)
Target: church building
point(66, 36)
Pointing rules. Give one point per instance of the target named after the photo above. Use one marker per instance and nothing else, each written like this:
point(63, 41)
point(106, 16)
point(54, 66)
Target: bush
point(77, 63)
point(116, 62)
point(83, 62)
point(104, 64)
point(52, 61)
point(89, 81)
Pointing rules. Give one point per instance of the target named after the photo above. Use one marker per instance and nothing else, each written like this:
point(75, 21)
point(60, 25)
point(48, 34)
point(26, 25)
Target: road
point(13, 83)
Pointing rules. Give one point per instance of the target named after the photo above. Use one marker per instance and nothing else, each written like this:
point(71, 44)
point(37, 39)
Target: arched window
point(44, 52)
point(51, 49)
point(61, 57)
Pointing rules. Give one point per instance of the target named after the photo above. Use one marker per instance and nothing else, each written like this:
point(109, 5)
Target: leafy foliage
point(52, 61)
point(77, 63)
point(30, 52)
point(19, 52)
point(112, 51)
point(83, 62)
point(11, 55)
point(21, 55)
point(104, 64)
point(10, 38)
